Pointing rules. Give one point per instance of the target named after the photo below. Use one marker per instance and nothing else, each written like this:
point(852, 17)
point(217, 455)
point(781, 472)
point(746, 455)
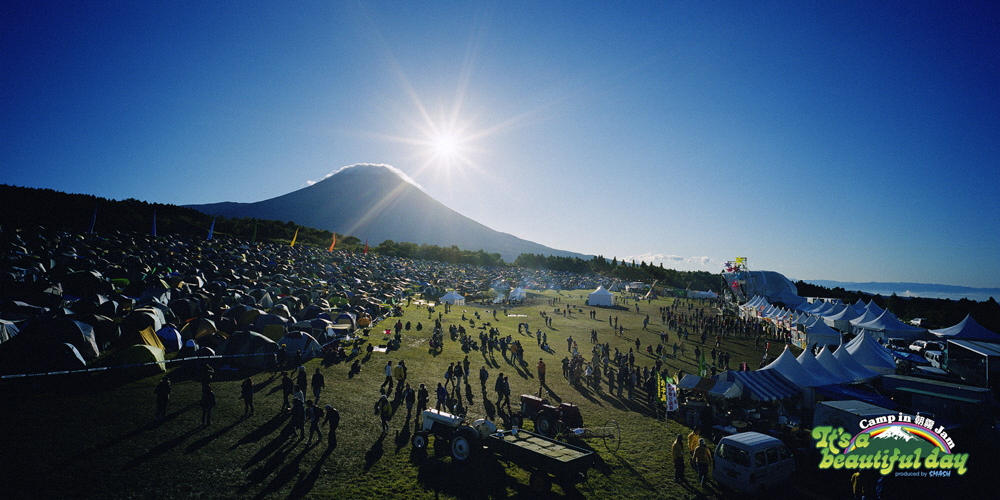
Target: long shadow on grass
point(278, 449)
point(199, 444)
point(124, 437)
point(374, 453)
point(306, 483)
point(289, 471)
point(160, 449)
point(259, 433)
point(484, 478)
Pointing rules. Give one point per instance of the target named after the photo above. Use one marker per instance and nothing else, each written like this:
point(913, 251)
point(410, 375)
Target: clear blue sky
point(853, 141)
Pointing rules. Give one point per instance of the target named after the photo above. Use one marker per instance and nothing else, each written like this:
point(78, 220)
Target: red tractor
point(549, 420)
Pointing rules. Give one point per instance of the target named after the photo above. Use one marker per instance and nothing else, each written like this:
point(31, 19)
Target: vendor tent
point(842, 320)
point(600, 297)
point(452, 298)
point(818, 334)
point(789, 367)
point(967, 329)
point(833, 365)
point(887, 326)
point(762, 385)
point(847, 360)
point(872, 355)
point(812, 366)
point(710, 386)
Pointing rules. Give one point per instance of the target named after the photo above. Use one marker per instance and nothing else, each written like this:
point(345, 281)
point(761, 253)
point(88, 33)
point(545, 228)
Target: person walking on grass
point(246, 392)
point(298, 420)
point(677, 450)
point(702, 459)
point(287, 386)
point(333, 420)
point(318, 383)
point(388, 376)
point(207, 404)
point(314, 414)
point(541, 372)
point(442, 397)
point(163, 390)
point(409, 397)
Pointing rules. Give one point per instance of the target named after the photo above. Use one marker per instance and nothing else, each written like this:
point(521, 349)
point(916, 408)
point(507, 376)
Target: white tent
point(452, 298)
point(872, 355)
point(817, 334)
point(600, 297)
point(842, 320)
point(853, 365)
point(887, 326)
point(789, 367)
point(967, 329)
point(827, 360)
point(811, 365)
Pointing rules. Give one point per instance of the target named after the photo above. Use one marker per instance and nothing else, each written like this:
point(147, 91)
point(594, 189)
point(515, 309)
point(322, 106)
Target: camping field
point(86, 438)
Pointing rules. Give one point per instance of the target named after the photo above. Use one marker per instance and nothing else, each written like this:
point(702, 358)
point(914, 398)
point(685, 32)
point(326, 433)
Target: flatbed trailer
point(545, 458)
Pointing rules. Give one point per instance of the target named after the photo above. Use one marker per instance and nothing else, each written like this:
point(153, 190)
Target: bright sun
point(446, 146)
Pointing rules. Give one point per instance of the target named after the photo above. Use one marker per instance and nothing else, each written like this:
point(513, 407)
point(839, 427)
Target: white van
point(751, 461)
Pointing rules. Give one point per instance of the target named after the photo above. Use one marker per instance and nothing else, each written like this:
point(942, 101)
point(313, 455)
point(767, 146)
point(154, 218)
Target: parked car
point(919, 346)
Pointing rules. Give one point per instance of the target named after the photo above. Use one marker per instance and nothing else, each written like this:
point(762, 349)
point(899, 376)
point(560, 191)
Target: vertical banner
point(672, 403)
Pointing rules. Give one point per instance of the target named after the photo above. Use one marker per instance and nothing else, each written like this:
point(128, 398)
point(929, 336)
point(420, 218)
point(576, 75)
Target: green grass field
point(70, 440)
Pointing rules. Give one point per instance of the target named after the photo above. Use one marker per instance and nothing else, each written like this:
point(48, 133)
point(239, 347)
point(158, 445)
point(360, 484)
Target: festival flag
point(661, 388)
point(211, 229)
point(253, 239)
point(366, 246)
point(295, 236)
point(702, 366)
point(154, 222)
point(93, 221)
point(333, 243)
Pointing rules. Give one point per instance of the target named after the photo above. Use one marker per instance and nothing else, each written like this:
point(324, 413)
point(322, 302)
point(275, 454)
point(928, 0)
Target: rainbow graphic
point(914, 429)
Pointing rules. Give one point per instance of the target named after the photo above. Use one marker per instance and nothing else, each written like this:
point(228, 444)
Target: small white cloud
point(680, 263)
point(395, 170)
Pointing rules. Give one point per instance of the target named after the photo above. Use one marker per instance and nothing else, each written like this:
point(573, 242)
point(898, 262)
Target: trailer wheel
point(516, 420)
point(540, 482)
point(419, 440)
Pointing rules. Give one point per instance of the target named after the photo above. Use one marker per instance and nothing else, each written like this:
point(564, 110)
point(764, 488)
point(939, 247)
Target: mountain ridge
point(376, 203)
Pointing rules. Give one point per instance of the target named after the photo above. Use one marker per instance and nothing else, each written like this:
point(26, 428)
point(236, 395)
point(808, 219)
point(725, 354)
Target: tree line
point(938, 313)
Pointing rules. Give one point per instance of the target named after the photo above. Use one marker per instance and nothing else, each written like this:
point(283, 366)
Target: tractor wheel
point(516, 421)
point(544, 425)
point(540, 482)
point(419, 440)
point(461, 447)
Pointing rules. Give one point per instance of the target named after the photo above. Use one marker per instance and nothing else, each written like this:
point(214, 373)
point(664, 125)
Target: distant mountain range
point(925, 290)
point(375, 203)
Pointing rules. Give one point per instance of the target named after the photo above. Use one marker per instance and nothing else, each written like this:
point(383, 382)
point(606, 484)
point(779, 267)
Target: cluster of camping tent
point(69, 302)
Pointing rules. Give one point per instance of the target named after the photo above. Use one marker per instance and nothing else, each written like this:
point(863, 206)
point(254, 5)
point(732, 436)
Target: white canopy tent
point(600, 297)
point(452, 298)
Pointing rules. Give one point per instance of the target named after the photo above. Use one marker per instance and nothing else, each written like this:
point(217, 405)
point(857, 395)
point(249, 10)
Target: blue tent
point(766, 385)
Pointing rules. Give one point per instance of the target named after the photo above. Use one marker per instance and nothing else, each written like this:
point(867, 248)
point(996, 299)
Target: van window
point(783, 453)
point(733, 454)
point(758, 459)
point(772, 455)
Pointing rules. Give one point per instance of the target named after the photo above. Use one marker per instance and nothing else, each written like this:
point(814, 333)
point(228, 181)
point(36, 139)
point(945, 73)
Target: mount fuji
point(897, 433)
point(377, 202)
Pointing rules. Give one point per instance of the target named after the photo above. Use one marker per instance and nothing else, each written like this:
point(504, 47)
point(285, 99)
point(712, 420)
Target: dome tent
point(600, 297)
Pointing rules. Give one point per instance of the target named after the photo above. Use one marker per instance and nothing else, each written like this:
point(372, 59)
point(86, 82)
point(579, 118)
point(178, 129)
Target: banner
point(672, 403)
point(661, 388)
